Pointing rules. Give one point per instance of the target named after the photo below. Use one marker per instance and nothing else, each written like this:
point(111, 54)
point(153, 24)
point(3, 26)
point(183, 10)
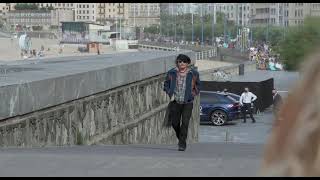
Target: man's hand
point(172, 98)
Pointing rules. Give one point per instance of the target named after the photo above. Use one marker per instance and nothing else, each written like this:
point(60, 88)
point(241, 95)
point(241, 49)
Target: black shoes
point(253, 121)
point(182, 146)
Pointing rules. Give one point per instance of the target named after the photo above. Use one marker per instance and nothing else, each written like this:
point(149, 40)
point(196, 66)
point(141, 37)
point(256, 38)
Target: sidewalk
point(200, 159)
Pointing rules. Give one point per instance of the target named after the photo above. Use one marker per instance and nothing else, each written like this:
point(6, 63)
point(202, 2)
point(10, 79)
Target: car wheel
point(218, 117)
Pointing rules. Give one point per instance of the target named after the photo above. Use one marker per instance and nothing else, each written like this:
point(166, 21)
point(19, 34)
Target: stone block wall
point(129, 114)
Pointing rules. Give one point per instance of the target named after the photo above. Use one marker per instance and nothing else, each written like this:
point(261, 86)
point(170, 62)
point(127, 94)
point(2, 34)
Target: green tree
point(299, 42)
point(50, 8)
point(26, 6)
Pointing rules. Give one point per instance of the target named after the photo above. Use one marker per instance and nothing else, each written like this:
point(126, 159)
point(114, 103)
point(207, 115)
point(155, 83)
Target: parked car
point(237, 97)
point(218, 108)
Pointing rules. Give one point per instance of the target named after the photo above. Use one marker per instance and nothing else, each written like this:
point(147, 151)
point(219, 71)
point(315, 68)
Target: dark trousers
point(246, 108)
point(181, 112)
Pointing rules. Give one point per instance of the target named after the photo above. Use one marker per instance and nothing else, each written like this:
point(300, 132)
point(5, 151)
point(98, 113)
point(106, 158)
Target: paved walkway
point(200, 159)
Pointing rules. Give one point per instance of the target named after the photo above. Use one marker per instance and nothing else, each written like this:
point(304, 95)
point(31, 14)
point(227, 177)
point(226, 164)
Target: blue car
point(218, 107)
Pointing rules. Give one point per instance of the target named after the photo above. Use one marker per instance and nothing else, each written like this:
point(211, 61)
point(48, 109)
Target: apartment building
point(85, 12)
point(110, 12)
point(179, 8)
point(263, 14)
point(5, 8)
point(315, 9)
point(236, 12)
point(65, 6)
point(39, 17)
point(299, 11)
point(144, 14)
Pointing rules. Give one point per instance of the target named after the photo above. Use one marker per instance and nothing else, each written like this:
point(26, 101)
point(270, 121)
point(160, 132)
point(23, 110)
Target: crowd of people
point(262, 55)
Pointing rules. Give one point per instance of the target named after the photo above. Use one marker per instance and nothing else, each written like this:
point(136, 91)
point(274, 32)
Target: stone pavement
point(238, 132)
point(200, 159)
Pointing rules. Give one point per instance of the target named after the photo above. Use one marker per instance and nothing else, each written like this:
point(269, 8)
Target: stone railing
point(115, 99)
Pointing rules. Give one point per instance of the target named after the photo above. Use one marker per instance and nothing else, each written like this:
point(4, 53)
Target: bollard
point(227, 135)
point(241, 69)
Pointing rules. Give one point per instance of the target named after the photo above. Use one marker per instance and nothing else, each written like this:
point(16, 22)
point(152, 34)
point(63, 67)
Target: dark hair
point(183, 57)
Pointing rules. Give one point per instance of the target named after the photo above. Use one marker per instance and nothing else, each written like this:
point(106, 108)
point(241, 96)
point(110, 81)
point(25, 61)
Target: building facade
point(5, 8)
point(315, 9)
point(65, 6)
point(144, 14)
point(236, 12)
point(298, 12)
point(275, 14)
point(85, 12)
point(42, 18)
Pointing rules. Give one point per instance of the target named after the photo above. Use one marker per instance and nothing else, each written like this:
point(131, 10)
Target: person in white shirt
point(246, 99)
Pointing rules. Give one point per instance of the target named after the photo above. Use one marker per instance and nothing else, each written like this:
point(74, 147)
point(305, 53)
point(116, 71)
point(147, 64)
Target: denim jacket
point(192, 84)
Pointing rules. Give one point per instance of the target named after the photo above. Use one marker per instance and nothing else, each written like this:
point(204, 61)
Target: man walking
point(182, 85)
point(246, 99)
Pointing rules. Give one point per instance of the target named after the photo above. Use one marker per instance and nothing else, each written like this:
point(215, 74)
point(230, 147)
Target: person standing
point(246, 100)
point(277, 101)
point(182, 85)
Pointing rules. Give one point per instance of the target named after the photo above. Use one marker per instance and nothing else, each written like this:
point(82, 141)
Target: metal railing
point(206, 54)
point(202, 55)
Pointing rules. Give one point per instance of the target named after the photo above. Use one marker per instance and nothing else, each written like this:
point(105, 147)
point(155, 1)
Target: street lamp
point(201, 24)
point(192, 27)
point(213, 16)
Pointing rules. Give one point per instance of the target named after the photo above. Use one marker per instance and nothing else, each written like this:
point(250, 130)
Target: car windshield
point(232, 98)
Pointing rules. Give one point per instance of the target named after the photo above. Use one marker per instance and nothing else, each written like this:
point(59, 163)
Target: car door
point(208, 102)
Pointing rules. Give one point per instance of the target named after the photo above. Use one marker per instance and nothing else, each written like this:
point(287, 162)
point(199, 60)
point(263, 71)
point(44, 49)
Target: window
point(88, 6)
point(295, 13)
point(87, 17)
point(87, 11)
point(209, 98)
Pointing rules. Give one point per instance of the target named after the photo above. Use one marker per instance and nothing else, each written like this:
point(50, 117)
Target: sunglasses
point(180, 61)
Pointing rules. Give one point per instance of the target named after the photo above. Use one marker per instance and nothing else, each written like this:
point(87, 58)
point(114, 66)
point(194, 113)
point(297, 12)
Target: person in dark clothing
point(182, 85)
point(277, 101)
point(246, 100)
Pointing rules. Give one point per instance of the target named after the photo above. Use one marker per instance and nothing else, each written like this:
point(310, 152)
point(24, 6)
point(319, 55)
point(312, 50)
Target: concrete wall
point(225, 73)
point(132, 114)
point(97, 101)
